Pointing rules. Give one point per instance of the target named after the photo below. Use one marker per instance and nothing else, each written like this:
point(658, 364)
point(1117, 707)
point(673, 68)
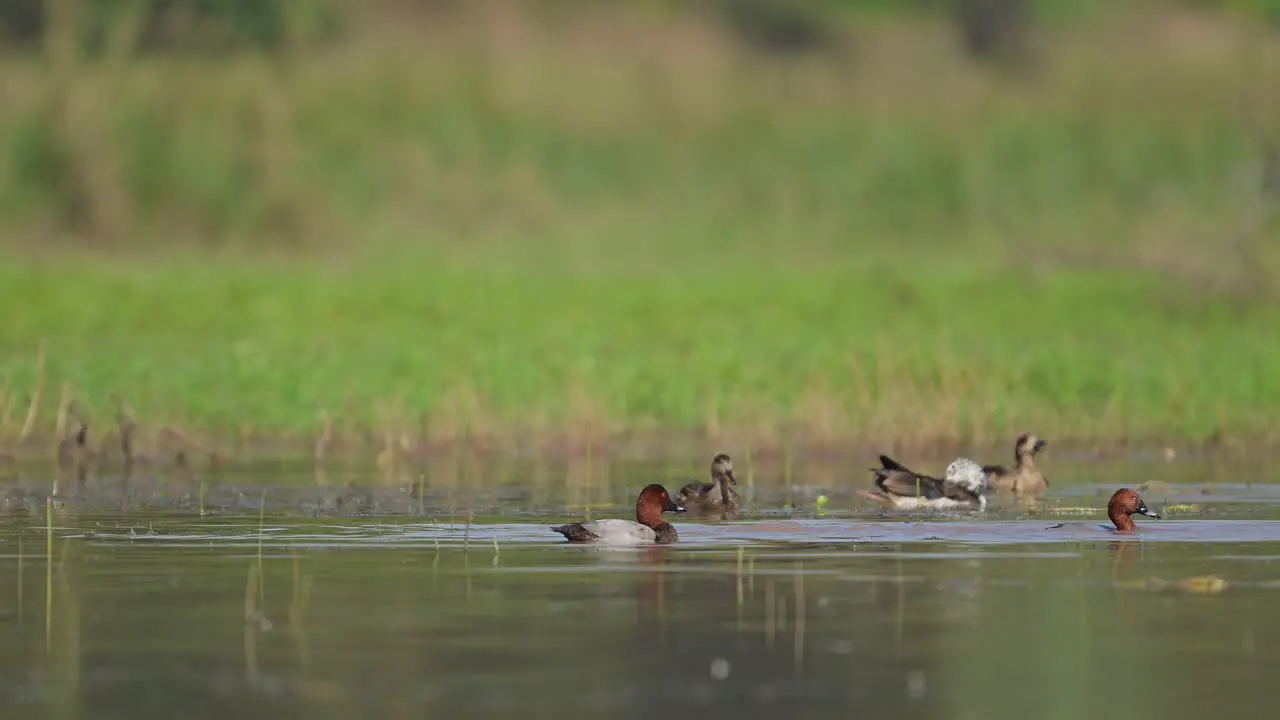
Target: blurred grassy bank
point(842, 354)
point(472, 221)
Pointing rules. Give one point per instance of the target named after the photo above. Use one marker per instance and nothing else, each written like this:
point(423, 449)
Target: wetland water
point(392, 604)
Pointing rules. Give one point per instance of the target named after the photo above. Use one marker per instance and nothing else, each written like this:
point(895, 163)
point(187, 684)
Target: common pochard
point(648, 527)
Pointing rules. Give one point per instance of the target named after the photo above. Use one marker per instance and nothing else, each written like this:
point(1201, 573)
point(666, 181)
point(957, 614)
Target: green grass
point(839, 353)
point(487, 225)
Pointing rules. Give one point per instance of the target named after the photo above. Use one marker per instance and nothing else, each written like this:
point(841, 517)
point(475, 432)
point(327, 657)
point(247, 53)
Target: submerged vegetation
point(481, 225)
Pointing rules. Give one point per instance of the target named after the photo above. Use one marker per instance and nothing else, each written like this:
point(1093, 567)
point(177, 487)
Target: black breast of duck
point(665, 533)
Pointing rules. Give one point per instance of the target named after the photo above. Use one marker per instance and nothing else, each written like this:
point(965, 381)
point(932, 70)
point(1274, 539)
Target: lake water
point(445, 593)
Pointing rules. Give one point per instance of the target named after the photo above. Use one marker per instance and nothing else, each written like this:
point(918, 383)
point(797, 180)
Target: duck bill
point(675, 508)
point(732, 479)
point(1040, 444)
point(1144, 510)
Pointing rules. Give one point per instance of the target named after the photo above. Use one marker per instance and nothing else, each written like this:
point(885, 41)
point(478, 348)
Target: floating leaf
point(1203, 584)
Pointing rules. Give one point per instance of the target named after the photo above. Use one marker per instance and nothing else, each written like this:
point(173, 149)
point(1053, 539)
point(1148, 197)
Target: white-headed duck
point(1024, 478)
point(1123, 504)
point(964, 485)
point(648, 527)
point(715, 496)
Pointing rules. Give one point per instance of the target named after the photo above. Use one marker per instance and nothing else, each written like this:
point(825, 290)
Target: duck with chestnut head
point(649, 527)
point(1124, 504)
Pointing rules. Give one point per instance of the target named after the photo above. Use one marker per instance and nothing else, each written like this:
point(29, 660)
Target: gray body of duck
point(648, 527)
point(1024, 478)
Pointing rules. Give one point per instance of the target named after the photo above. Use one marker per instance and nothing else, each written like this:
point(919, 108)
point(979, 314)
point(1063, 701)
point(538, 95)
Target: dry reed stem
point(126, 427)
point(6, 409)
point(385, 459)
point(29, 425)
point(64, 402)
point(325, 438)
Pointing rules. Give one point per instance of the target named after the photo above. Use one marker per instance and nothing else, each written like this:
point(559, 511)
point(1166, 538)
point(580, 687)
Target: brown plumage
point(717, 496)
point(1024, 478)
point(1122, 505)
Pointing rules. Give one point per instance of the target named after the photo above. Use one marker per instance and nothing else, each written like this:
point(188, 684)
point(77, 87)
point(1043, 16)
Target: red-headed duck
point(648, 527)
point(1123, 504)
point(1024, 478)
point(715, 496)
point(964, 485)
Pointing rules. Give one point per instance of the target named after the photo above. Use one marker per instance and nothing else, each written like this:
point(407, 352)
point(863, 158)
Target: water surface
point(455, 599)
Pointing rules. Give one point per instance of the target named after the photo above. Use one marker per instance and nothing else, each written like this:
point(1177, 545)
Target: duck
point(1024, 478)
point(1123, 505)
point(647, 528)
point(963, 485)
point(715, 496)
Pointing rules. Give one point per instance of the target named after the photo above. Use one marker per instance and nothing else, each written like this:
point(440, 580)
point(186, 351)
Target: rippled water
point(450, 595)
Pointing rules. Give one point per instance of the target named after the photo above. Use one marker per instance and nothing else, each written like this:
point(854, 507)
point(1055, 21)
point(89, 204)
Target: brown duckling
point(1024, 478)
point(716, 496)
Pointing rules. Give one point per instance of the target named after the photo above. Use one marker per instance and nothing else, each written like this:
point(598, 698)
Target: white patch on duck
point(615, 531)
point(968, 475)
point(943, 503)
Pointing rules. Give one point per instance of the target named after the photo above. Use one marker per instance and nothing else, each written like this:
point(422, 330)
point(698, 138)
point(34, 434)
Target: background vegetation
point(832, 221)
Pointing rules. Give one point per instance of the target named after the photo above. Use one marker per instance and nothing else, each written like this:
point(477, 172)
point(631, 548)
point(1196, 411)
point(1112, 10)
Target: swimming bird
point(964, 485)
point(1123, 504)
point(1024, 478)
point(715, 496)
point(648, 527)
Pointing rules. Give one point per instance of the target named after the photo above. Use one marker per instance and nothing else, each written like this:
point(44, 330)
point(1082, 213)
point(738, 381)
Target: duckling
point(715, 496)
point(1024, 478)
point(648, 527)
point(963, 485)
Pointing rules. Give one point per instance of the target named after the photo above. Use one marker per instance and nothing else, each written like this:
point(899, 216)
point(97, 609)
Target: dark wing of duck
point(888, 463)
point(956, 492)
point(895, 479)
point(575, 532)
point(995, 470)
point(693, 490)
